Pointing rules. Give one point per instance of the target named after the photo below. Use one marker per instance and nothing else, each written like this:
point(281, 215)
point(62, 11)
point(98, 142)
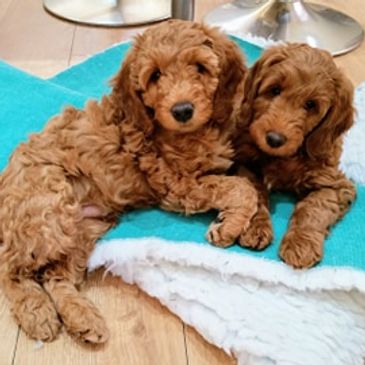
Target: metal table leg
point(289, 21)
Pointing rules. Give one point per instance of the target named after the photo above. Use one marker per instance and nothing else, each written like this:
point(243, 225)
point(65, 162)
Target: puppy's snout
point(182, 112)
point(275, 140)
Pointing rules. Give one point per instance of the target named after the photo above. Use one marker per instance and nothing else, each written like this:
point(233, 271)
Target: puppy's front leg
point(236, 200)
point(302, 246)
point(259, 233)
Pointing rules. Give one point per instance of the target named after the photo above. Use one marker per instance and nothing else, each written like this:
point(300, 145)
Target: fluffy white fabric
point(263, 312)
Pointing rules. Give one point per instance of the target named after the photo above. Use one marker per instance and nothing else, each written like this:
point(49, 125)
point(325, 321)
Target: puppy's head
point(179, 75)
point(295, 97)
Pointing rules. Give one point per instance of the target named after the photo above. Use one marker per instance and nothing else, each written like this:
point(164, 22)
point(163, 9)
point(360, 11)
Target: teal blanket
point(26, 103)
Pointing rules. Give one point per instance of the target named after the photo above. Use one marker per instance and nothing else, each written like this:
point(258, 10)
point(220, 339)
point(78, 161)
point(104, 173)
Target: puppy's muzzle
point(275, 140)
point(182, 112)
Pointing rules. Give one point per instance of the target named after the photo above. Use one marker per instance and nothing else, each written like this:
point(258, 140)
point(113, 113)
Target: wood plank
point(201, 352)
point(90, 40)
point(30, 38)
point(4, 5)
point(8, 334)
point(142, 332)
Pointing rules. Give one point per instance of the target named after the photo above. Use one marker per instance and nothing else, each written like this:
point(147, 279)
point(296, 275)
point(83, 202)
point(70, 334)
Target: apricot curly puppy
point(161, 137)
point(297, 106)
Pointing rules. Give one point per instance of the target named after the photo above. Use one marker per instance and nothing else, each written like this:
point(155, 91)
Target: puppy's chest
point(276, 173)
point(175, 166)
point(285, 174)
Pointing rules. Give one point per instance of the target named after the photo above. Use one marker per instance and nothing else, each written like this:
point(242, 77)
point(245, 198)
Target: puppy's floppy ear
point(125, 96)
point(338, 120)
point(232, 72)
point(270, 57)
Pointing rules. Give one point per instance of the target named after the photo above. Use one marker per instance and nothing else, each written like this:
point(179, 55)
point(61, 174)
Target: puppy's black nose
point(182, 112)
point(275, 140)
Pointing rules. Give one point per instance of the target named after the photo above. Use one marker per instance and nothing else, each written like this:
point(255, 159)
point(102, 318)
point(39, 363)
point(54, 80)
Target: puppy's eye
point(200, 68)
point(155, 75)
point(310, 105)
point(275, 90)
point(208, 43)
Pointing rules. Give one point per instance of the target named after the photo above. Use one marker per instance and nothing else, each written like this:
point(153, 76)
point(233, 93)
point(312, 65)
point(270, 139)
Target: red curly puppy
point(161, 137)
point(296, 107)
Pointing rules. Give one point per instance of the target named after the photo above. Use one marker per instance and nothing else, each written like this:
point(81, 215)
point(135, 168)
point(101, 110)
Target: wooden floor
point(142, 331)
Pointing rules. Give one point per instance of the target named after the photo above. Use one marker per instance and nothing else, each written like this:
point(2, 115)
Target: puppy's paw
point(259, 234)
point(37, 316)
point(302, 248)
point(96, 332)
point(84, 322)
point(218, 236)
point(224, 230)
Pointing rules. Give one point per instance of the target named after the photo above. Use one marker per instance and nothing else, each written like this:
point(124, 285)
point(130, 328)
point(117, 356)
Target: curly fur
point(66, 186)
point(297, 92)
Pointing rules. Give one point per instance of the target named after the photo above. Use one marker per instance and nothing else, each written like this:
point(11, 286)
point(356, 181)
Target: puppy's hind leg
point(81, 318)
point(29, 244)
point(32, 308)
point(48, 236)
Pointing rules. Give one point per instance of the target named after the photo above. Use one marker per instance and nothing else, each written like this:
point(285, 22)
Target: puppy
point(296, 107)
point(163, 136)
